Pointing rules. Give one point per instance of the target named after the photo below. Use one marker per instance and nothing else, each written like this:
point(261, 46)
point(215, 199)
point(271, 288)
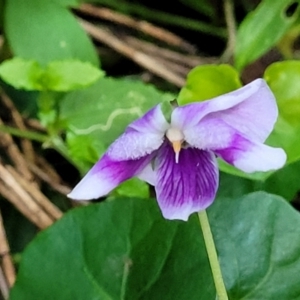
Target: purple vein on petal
point(187, 186)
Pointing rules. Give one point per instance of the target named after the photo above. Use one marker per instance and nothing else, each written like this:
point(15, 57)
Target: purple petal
point(105, 175)
point(141, 137)
point(251, 110)
point(248, 156)
point(187, 186)
point(252, 156)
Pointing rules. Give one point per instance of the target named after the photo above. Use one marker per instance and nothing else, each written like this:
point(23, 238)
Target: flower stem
point(212, 256)
point(30, 135)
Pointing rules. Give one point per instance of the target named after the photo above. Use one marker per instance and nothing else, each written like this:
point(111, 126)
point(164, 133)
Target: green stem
point(212, 256)
point(30, 135)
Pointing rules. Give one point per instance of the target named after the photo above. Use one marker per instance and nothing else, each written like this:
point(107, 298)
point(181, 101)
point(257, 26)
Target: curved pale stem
point(212, 256)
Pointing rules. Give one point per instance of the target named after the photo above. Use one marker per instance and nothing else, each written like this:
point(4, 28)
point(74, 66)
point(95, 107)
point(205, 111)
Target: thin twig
point(140, 58)
point(149, 48)
point(162, 17)
point(53, 211)
point(6, 261)
point(43, 164)
point(143, 26)
point(18, 120)
point(48, 179)
point(1, 41)
point(15, 155)
point(12, 191)
point(36, 125)
point(3, 285)
point(231, 29)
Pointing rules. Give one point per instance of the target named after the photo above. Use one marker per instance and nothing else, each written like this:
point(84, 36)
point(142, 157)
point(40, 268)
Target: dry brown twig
point(143, 26)
point(6, 261)
point(31, 158)
point(44, 176)
point(37, 195)
point(140, 58)
point(14, 192)
point(18, 120)
point(167, 54)
point(7, 142)
point(4, 289)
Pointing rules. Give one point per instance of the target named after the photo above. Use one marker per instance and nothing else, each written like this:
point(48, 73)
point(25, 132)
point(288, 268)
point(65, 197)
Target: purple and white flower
point(179, 157)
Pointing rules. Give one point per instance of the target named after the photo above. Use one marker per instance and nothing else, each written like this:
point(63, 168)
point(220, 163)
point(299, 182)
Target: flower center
point(176, 137)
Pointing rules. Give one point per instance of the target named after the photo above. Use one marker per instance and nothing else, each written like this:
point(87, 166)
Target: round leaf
point(122, 249)
point(70, 75)
point(22, 74)
point(258, 242)
point(209, 81)
point(283, 78)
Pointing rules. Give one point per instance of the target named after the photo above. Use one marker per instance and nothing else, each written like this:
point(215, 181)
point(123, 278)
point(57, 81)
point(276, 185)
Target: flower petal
point(187, 186)
point(251, 110)
point(141, 137)
point(105, 175)
point(252, 156)
point(236, 149)
point(148, 174)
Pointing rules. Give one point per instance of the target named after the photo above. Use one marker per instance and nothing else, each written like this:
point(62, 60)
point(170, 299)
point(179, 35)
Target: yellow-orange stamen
point(176, 147)
point(175, 136)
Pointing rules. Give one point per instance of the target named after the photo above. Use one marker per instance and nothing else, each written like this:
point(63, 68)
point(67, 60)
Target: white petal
point(141, 137)
point(105, 175)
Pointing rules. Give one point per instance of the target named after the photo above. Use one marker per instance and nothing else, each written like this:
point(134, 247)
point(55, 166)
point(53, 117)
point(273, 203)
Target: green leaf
point(258, 246)
point(45, 31)
point(285, 182)
point(133, 187)
point(124, 249)
point(103, 110)
point(283, 78)
point(70, 75)
point(22, 74)
point(234, 186)
point(66, 3)
point(60, 76)
point(121, 249)
point(276, 183)
point(209, 81)
point(263, 28)
point(84, 150)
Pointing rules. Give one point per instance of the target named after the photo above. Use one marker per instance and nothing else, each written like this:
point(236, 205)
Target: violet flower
point(179, 158)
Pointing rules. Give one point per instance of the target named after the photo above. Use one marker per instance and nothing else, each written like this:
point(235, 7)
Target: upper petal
point(251, 110)
point(187, 186)
point(141, 137)
point(105, 175)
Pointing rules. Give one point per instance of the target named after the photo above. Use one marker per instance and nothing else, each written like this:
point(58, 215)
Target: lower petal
point(187, 186)
point(251, 157)
point(105, 175)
